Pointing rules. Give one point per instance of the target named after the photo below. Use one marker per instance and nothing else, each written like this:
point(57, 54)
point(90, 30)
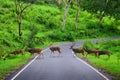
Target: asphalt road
point(66, 67)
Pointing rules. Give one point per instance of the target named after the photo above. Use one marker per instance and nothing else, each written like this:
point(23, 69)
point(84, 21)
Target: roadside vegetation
point(11, 64)
point(41, 24)
point(109, 65)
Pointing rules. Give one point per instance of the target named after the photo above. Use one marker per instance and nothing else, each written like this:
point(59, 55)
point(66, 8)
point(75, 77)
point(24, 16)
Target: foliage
point(32, 39)
point(46, 25)
point(62, 35)
point(12, 64)
point(109, 7)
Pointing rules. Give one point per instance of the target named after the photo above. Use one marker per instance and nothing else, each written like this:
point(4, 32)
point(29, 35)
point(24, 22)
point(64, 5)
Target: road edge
point(19, 72)
point(90, 66)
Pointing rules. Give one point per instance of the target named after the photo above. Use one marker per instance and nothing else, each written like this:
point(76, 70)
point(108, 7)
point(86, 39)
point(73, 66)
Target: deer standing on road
point(76, 50)
point(55, 48)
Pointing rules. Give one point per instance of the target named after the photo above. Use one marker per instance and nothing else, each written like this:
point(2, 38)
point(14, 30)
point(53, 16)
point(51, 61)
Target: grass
point(110, 66)
point(11, 65)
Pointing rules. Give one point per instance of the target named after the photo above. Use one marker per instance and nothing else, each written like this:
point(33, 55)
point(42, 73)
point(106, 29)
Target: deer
point(34, 50)
point(90, 51)
point(55, 48)
point(17, 52)
point(76, 50)
point(103, 52)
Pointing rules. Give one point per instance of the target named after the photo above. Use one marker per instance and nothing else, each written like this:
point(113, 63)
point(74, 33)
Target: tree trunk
point(77, 15)
point(64, 1)
point(65, 14)
point(103, 12)
point(19, 29)
point(101, 16)
point(19, 11)
point(19, 24)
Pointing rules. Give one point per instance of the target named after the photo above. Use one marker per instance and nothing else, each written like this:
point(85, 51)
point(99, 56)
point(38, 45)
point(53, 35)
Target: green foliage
point(12, 64)
point(90, 45)
point(62, 36)
point(32, 39)
point(110, 7)
point(46, 21)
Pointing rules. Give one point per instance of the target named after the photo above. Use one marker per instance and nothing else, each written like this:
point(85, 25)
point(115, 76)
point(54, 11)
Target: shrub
point(62, 36)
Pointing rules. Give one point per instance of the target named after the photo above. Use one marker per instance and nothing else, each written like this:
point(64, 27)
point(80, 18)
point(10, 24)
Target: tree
point(94, 6)
point(67, 5)
point(20, 7)
point(77, 13)
point(113, 8)
point(105, 7)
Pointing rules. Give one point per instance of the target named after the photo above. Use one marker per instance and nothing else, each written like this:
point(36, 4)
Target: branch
point(65, 2)
point(25, 8)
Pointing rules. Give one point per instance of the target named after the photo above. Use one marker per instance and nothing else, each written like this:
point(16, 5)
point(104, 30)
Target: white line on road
point(26, 66)
point(90, 67)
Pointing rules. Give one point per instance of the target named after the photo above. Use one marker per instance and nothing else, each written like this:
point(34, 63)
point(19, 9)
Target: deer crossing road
point(65, 67)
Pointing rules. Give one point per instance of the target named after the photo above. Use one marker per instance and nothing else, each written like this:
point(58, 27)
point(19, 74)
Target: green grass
point(10, 65)
point(110, 66)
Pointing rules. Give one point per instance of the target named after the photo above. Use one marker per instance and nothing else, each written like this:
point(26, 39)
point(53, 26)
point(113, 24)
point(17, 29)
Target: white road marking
point(90, 67)
point(26, 66)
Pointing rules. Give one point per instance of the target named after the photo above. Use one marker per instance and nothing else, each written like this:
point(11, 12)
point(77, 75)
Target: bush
point(32, 40)
point(62, 36)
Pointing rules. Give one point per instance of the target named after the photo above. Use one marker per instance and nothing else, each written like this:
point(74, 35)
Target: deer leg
point(108, 56)
point(83, 53)
point(60, 54)
point(23, 54)
point(86, 54)
point(40, 54)
point(97, 55)
point(51, 53)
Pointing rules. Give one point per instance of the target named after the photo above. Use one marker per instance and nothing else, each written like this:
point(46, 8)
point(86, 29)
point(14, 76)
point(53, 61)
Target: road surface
point(66, 67)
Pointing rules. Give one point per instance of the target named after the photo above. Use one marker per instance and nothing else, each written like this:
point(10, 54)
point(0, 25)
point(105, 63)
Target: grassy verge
point(11, 65)
point(110, 66)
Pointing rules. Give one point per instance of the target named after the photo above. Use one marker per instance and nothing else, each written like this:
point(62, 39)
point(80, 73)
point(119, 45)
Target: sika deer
point(104, 52)
point(17, 52)
point(76, 50)
point(34, 50)
point(90, 51)
point(55, 48)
